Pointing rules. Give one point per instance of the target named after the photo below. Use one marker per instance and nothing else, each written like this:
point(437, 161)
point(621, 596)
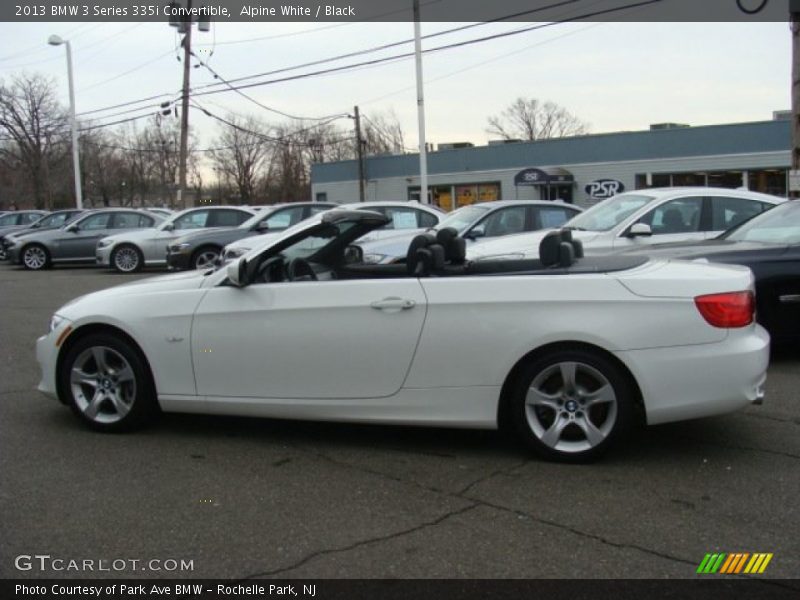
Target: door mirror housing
point(475, 234)
point(237, 273)
point(169, 227)
point(72, 228)
point(640, 230)
point(262, 227)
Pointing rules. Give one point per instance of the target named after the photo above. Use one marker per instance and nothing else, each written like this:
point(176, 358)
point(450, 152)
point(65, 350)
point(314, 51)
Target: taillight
point(731, 309)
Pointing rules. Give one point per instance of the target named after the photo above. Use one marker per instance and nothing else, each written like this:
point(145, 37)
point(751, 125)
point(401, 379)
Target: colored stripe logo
point(734, 563)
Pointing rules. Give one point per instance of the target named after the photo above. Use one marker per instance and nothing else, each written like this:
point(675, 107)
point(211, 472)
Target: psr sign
point(600, 189)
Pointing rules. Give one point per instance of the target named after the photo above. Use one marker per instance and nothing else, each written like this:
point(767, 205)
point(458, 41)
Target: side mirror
point(72, 229)
point(237, 273)
point(169, 227)
point(640, 230)
point(353, 255)
point(475, 234)
point(262, 227)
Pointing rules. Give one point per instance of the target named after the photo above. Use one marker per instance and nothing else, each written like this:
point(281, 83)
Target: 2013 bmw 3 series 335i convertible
point(564, 350)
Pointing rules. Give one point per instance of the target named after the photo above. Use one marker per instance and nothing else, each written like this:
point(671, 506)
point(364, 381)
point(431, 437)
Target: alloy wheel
point(103, 384)
point(571, 407)
point(34, 258)
point(126, 259)
point(205, 259)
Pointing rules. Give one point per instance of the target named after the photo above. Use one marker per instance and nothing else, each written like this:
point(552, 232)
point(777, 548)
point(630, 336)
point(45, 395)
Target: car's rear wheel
point(572, 405)
point(127, 259)
point(205, 257)
point(35, 257)
point(107, 383)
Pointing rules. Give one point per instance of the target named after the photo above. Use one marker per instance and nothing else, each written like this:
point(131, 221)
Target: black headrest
point(426, 261)
point(557, 248)
point(549, 249)
point(455, 248)
point(423, 240)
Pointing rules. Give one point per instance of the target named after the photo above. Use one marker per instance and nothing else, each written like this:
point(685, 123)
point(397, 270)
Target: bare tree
point(241, 150)
point(34, 122)
point(383, 134)
point(531, 119)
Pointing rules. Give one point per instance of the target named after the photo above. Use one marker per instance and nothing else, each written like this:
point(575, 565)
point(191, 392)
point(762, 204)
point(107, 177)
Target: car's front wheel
point(572, 405)
point(35, 257)
point(127, 259)
point(205, 257)
point(107, 383)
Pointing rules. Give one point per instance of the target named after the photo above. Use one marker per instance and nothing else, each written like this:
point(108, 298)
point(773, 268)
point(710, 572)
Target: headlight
point(375, 259)
point(235, 253)
point(55, 321)
point(179, 247)
point(104, 243)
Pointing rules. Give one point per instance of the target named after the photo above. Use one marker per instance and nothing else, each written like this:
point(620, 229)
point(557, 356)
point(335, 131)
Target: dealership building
point(581, 170)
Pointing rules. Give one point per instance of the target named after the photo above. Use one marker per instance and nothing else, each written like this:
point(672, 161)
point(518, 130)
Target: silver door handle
point(789, 298)
point(393, 303)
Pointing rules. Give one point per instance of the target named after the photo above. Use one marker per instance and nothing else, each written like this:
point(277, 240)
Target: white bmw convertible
point(563, 350)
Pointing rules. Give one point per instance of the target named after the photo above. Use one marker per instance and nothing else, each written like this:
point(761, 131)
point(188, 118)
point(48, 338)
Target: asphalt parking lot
point(265, 498)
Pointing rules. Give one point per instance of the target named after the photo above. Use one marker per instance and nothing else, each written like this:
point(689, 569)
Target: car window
point(609, 213)
point(504, 221)
point(94, 222)
point(9, 219)
point(681, 215)
point(551, 217)
point(284, 218)
point(401, 218)
point(775, 226)
point(192, 220)
point(54, 220)
point(729, 212)
point(226, 218)
point(29, 218)
point(131, 221)
point(426, 219)
point(313, 210)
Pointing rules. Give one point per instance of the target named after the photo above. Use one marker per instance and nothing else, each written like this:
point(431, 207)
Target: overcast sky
point(616, 76)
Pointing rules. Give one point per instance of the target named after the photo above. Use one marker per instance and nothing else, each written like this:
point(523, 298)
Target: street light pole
point(187, 70)
point(55, 40)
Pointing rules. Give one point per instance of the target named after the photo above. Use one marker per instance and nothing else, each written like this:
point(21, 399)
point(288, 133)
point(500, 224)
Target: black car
point(200, 249)
point(769, 244)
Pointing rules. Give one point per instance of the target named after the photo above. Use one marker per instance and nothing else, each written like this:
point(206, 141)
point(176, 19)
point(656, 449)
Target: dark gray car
point(54, 220)
point(76, 242)
point(201, 249)
point(19, 219)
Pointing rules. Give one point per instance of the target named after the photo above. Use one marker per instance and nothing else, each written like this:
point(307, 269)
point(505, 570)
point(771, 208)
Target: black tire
point(34, 257)
point(202, 257)
point(113, 389)
point(127, 258)
point(568, 418)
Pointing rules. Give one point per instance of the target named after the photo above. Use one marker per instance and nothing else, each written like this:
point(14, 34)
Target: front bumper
point(47, 357)
point(178, 261)
point(13, 255)
point(690, 382)
point(103, 256)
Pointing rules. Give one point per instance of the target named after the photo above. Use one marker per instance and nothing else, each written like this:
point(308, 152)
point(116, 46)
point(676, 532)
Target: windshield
point(780, 225)
point(609, 213)
point(463, 218)
point(313, 243)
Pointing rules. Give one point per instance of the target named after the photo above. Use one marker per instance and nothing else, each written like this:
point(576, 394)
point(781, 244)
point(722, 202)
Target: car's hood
point(185, 280)
point(20, 233)
point(520, 245)
point(698, 249)
point(254, 241)
point(10, 228)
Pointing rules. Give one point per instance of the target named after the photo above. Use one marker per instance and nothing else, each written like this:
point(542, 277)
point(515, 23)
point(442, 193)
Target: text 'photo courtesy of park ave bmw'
point(419, 298)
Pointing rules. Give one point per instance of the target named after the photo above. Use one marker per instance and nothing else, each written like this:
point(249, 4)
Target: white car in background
point(129, 252)
point(404, 217)
point(644, 217)
point(563, 351)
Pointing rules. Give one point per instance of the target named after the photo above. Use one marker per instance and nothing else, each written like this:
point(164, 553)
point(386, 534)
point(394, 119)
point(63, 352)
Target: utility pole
point(187, 71)
point(423, 147)
point(794, 174)
point(360, 153)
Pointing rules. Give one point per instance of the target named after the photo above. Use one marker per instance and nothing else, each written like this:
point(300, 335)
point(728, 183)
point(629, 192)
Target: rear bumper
point(690, 382)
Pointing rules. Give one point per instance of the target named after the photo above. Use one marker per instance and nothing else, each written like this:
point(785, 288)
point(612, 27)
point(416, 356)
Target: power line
point(128, 72)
